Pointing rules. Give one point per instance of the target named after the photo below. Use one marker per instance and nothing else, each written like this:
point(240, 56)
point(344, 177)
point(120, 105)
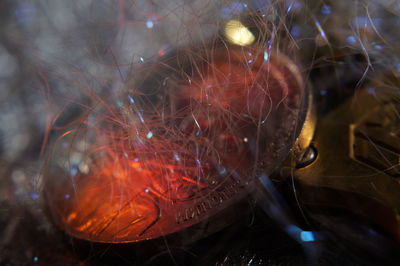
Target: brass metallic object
point(357, 165)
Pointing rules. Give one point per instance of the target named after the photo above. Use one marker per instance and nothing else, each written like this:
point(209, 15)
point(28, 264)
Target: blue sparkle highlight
point(222, 171)
point(149, 24)
point(73, 171)
point(141, 59)
point(176, 157)
point(149, 135)
point(320, 29)
point(131, 100)
point(351, 39)
point(326, 10)
point(141, 118)
point(307, 236)
point(35, 259)
point(266, 56)
point(34, 195)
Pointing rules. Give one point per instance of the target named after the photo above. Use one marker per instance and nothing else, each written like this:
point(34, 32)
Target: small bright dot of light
point(149, 24)
point(222, 171)
point(238, 33)
point(161, 52)
point(351, 39)
point(307, 236)
point(326, 10)
point(149, 135)
point(266, 56)
point(34, 196)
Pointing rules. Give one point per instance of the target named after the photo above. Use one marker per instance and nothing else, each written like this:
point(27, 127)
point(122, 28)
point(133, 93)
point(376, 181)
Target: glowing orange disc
point(187, 142)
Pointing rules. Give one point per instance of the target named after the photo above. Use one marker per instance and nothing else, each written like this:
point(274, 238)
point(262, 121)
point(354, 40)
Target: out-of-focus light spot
point(176, 157)
point(323, 92)
point(147, 190)
point(131, 99)
point(378, 47)
point(84, 168)
point(35, 259)
point(135, 165)
point(67, 196)
point(371, 90)
point(222, 171)
point(326, 10)
point(238, 34)
point(266, 55)
point(149, 24)
point(295, 31)
point(161, 52)
point(141, 59)
point(307, 236)
point(34, 195)
point(351, 39)
point(246, 140)
point(149, 135)
point(73, 171)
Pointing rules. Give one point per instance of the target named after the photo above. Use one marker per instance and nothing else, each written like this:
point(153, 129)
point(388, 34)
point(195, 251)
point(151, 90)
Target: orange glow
point(180, 163)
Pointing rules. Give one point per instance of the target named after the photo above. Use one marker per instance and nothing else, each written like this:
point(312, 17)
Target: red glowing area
point(188, 147)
